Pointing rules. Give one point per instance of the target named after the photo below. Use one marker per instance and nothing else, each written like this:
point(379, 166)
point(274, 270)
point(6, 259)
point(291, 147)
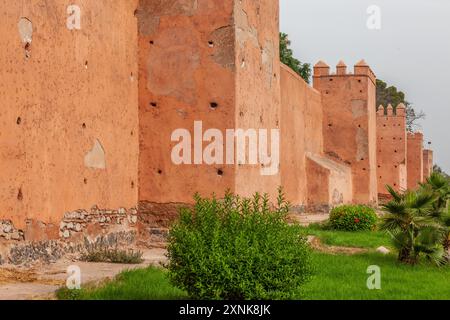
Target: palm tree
point(439, 185)
point(414, 229)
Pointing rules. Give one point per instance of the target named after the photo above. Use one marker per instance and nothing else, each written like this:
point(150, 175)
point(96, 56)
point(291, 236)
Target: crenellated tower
point(391, 148)
point(349, 122)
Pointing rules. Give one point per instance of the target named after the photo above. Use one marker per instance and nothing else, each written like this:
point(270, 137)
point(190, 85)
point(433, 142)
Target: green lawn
point(344, 277)
point(336, 277)
point(358, 239)
point(141, 284)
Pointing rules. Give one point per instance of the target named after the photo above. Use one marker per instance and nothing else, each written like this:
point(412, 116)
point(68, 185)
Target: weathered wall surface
point(427, 163)
point(187, 65)
point(68, 121)
point(293, 144)
point(349, 123)
point(258, 99)
point(211, 61)
point(391, 145)
point(414, 159)
point(329, 183)
point(309, 178)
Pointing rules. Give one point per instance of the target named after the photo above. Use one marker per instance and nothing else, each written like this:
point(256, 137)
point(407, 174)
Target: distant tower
point(391, 148)
point(427, 163)
point(349, 125)
point(415, 159)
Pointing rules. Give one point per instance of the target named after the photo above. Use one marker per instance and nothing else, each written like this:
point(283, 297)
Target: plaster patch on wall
point(267, 57)
point(96, 159)
point(147, 22)
point(166, 62)
point(223, 40)
point(359, 108)
point(25, 30)
point(245, 32)
point(168, 7)
point(362, 144)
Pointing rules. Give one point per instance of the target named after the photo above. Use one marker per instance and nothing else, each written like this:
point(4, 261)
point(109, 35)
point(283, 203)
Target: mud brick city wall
point(228, 54)
point(414, 159)
point(68, 120)
point(349, 123)
point(319, 180)
point(391, 148)
point(87, 117)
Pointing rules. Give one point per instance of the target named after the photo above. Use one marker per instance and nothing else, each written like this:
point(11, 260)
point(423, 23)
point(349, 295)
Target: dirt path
point(316, 244)
point(42, 281)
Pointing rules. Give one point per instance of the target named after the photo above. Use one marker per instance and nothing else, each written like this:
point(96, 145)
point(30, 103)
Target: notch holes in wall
point(211, 43)
point(213, 105)
point(153, 104)
point(20, 195)
point(85, 181)
point(331, 79)
point(84, 126)
point(86, 64)
point(132, 184)
point(359, 80)
point(160, 171)
point(151, 42)
point(19, 120)
point(360, 91)
point(219, 172)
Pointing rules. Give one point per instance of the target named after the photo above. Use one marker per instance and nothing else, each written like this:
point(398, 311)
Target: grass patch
point(340, 277)
point(357, 239)
point(142, 284)
point(337, 277)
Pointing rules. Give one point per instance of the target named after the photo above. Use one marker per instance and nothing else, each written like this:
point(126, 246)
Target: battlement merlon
point(415, 135)
point(321, 69)
point(389, 111)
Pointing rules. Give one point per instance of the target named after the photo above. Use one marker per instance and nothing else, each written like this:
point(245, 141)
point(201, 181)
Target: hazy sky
point(410, 51)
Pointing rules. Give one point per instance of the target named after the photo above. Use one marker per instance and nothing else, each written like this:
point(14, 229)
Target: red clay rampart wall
point(391, 148)
point(69, 122)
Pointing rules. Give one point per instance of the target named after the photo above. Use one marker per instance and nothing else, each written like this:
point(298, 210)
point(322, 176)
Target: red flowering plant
point(353, 218)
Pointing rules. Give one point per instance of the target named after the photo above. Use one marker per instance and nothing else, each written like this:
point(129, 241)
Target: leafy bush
point(115, 255)
point(353, 218)
point(238, 248)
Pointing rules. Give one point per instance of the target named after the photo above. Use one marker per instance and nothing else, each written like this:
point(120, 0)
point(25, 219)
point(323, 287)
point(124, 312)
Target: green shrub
point(353, 218)
point(238, 248)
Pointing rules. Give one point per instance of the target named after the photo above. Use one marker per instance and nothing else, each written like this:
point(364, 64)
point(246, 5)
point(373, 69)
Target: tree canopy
point(391, 95)
point(287, 57)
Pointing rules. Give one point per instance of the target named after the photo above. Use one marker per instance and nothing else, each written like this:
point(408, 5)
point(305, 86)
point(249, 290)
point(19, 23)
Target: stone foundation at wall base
point(159, 215)
point(77, 232)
